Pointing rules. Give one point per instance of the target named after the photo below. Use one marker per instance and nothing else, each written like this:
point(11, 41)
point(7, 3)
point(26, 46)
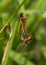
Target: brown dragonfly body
point(23, 24)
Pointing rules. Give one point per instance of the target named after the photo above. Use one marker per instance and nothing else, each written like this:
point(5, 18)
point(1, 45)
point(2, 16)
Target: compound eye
point(21, 14)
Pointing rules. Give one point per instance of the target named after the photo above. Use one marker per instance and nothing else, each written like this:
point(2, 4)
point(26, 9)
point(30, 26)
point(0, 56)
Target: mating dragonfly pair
point(23, 24)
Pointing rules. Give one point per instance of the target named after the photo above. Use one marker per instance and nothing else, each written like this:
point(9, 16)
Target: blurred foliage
point(33, 53)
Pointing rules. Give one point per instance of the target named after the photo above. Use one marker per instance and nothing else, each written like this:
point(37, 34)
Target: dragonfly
point(23, 25)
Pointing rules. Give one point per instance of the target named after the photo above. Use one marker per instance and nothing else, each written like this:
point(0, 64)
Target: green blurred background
point(33, 53)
